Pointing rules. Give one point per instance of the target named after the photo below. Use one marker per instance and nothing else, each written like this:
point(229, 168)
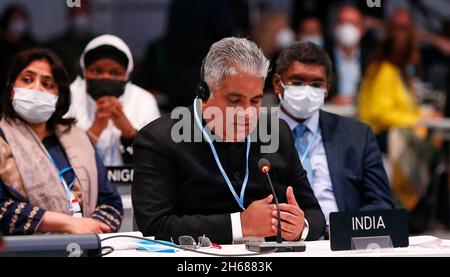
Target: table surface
point(419, 246)
point(342, 110)
point(436, 123)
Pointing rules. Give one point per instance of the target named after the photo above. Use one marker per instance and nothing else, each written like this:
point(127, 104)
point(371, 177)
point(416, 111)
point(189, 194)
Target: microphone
point(279, 245)
point(88, 245)
point(264, 166)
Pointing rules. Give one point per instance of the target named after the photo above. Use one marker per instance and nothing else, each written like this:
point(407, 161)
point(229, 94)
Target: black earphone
point(203, 92)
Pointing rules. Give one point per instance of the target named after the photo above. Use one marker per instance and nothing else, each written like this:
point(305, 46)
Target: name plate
point(120, 175)
point(369, 230)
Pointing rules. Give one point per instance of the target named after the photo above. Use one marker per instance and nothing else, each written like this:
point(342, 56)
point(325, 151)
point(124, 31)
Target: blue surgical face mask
point(34, 106)
point(302, 101)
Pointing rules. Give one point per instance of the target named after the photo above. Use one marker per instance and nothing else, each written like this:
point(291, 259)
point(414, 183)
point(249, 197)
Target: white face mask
point(18, 26)
point(34, 106)
point(302, 101)
point(347, 35)
point(317, 40)
point(81, 22)
point(284, 38)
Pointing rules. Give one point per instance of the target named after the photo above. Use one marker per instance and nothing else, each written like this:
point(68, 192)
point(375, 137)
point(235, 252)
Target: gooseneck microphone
point(279, 245)
point(264, 166)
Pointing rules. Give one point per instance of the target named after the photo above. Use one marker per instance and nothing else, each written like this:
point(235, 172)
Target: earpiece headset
point(203, 92)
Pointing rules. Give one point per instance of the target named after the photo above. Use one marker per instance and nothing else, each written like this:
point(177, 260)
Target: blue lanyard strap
point(239, 199)
point(67, 188)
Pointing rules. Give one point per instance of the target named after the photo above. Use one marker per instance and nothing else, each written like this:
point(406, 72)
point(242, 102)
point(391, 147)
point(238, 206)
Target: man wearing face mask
point(310, 30)
point(340, 155)
point(106, 104)
point(349, 54)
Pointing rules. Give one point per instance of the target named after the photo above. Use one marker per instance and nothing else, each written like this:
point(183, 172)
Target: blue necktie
point(301, 144)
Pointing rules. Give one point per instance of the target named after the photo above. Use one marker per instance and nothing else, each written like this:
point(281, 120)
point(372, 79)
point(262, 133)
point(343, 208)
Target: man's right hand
point(256, 219)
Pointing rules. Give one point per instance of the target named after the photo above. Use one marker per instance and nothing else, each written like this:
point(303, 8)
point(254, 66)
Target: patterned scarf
point(26, 167)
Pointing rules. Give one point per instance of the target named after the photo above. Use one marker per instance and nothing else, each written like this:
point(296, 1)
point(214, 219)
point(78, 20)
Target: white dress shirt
point(348, 70)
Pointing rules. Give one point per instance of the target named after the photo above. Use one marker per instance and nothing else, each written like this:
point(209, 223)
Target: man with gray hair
point(212, 186)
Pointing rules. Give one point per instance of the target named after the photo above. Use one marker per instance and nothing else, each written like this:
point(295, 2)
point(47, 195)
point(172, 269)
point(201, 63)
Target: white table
point(441, 124)
point(348, 110)
point(419, 246)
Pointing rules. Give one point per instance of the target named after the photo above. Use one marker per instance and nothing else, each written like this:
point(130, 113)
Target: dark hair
point(19, 63)
point(388, 50)
point(306, 53)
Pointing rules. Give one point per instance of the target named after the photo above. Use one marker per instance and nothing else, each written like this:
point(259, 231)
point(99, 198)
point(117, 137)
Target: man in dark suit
point(350, 50)
point(213, 187)
point(341, 156)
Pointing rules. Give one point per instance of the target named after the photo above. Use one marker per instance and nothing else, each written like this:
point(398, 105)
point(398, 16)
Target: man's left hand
point(292, 218)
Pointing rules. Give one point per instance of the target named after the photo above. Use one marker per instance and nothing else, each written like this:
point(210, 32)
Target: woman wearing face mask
point(106, 104)
point(51, 179)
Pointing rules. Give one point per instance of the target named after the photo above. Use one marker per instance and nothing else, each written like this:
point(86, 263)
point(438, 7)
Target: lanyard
point(67, 188)
point(309, 146)
point(239, 199)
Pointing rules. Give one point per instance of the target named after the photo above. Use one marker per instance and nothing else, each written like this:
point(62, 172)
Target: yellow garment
point(384, 100)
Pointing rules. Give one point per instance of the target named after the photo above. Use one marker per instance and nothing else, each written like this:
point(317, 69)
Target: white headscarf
point(139, 105)
point(109, 40)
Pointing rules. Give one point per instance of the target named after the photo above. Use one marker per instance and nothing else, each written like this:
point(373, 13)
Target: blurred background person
point(348, 53)
point(387, 98)
point(192, 27)
point(51, 180)
point(388, 102)
point(272, 32)
point(310, 30)
point(70, 45)
point(106, 103)
point(15, 26)
point(302, 9)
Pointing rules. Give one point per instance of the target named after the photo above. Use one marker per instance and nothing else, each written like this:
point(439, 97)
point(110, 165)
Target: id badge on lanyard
point(73, 202)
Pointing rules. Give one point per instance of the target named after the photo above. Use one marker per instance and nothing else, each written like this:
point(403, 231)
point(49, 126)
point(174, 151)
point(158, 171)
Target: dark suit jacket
point(178, 189)
point(354, 161)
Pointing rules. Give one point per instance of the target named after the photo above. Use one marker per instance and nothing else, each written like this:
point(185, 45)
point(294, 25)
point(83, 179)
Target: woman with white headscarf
point(105, 102)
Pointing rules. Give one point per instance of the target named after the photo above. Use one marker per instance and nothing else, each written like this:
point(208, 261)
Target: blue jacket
point(355, 164)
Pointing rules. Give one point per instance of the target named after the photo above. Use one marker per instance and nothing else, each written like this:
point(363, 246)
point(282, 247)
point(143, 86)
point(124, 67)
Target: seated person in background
point(106, 104)
point(310, 30)
point(349, 54)
point(341, 155)
point(387, 98)
point(51, 179)
point(191, 188)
